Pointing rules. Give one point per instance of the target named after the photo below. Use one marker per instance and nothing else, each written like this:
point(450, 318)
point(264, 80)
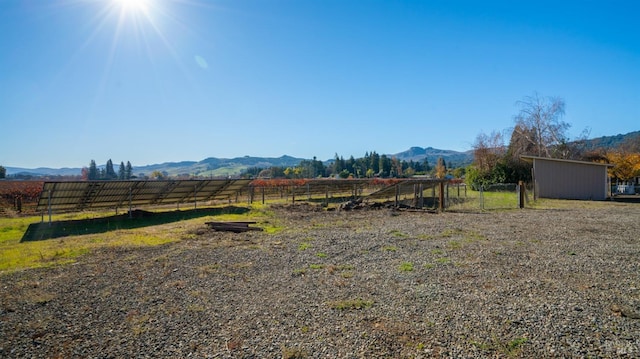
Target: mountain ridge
point(213, 166)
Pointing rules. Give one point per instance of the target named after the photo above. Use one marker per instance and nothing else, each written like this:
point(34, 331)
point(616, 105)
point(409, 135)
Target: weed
point(451, 232)
point(513, 346)
point(406, 267)
point(429, 265)
point(196, 308)
point(304, 246)
point(453, 245)
point(293, 353)
point(399, 234)
point(299, 272)
point(481, 346)
point(321, 255)
point(389, 248)
point(437, 252)
point(316, 266)
point(443, 260)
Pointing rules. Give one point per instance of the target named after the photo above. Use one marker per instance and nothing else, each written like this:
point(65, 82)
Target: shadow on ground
point(45, 230)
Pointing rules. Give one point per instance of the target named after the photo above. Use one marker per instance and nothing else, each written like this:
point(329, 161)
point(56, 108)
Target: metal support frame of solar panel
point(80, 195)
point(404, 188)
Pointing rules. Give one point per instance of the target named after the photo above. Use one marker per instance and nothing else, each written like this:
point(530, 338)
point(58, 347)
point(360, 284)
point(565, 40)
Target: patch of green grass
point(437, 252)
point(304, 246)
point(351, 304)
point(451, 232)
point(406, 267)
point(453, 245)
point(100, 233)
point(429, 265)
point(514, 345)
point(443, 260)
point(399, 234)
point(316, 266)
point(389, 248)
point(299, 272)
point(321, 255)
point(510, 348)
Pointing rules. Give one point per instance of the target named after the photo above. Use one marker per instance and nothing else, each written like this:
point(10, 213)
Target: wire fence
point(487, 198)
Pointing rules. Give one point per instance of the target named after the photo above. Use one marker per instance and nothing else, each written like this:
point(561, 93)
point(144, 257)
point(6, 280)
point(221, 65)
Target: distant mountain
point(452, 158)
point(214, 167)
point(42, 171)
point(610, 142)
point(217, 167)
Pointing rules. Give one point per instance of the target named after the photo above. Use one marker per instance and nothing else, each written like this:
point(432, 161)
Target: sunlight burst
point(130, 6)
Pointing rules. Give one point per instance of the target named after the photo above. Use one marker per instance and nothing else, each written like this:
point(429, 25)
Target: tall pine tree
point(110, 173)
point(121, 171)
point(128, 172)
point(93, 171)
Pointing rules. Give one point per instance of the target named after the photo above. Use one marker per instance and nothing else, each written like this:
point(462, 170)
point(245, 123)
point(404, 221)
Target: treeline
point(540, 131)
point(107, 173)
point(369, 166)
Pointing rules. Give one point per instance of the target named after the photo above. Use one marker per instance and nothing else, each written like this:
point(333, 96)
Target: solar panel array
point(81, 195)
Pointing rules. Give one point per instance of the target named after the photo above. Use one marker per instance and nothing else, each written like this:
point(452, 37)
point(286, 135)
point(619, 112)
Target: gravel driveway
point(362, 284)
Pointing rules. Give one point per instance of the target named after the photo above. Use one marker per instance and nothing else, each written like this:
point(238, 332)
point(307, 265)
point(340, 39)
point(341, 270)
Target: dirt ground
point(556, 282)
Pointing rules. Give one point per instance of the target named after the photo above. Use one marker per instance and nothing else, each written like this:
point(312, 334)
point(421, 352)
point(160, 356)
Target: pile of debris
point(356, 204)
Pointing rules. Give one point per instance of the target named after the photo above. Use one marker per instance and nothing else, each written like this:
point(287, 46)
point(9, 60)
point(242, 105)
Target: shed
point(569, 179)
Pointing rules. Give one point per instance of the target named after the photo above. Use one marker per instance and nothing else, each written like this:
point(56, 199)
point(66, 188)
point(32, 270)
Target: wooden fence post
point(441, 197)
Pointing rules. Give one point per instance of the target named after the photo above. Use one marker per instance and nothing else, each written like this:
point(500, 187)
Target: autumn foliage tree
point(626, 166)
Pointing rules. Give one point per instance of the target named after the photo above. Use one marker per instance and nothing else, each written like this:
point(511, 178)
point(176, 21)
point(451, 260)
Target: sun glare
point(130, 6)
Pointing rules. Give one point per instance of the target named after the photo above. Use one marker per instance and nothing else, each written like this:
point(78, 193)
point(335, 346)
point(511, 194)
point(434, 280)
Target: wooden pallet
point(236, 227)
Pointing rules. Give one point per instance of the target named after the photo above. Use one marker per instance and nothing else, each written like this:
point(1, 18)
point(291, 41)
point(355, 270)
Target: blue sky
point(172, 80)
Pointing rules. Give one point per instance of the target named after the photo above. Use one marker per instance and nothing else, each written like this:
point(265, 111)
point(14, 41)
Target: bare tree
point(539, 126)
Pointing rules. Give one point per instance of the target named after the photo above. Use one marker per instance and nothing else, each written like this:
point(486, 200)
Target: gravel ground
point(363, 284)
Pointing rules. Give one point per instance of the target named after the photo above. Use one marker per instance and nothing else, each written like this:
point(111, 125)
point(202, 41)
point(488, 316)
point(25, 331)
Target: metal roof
point(531, 158)
point(80, 195)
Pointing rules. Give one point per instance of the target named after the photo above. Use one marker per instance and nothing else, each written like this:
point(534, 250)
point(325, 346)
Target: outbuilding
point(569, 179)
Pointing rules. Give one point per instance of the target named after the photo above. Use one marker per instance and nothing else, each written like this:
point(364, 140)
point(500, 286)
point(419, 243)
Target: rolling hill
point(222, 167)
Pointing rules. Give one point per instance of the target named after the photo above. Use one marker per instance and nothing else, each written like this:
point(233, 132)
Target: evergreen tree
point(128, 172)
point(350, 165)
point(337, 165)
point(121, 171)
point(374, 162)
point(93, 171)
point(3, 172)
point(385, 166)
point(110, 173)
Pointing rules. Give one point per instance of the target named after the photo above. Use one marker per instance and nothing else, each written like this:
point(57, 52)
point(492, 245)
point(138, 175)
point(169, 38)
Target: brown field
point(559, 280)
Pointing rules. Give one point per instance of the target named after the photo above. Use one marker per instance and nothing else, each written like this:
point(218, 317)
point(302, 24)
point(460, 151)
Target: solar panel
point(80, 195)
